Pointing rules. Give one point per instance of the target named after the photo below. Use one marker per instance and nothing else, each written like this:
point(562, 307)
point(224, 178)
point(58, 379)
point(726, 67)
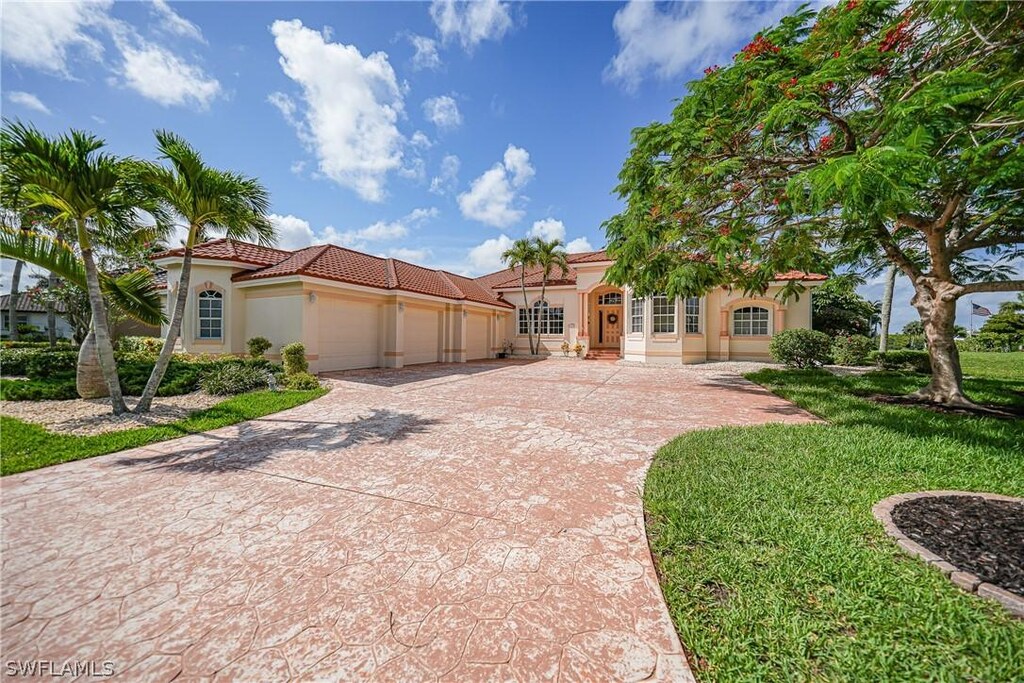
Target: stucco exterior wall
point(217, 278)
point(566, 297)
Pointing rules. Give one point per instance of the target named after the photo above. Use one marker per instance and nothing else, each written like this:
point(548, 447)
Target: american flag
point(979, 310)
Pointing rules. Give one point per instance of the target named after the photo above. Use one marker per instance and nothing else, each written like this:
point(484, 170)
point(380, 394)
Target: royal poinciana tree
point(866, 129)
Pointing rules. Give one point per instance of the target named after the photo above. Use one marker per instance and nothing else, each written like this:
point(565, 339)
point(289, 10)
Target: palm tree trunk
point(12, 309)
point(890, 286)
point(529, 312)
point(173, 330)
point(89, 379)
point(104, 347)
point(543, 309)
point(51, 322)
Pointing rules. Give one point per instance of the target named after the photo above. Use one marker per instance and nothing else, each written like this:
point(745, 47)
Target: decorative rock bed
point(975, 539)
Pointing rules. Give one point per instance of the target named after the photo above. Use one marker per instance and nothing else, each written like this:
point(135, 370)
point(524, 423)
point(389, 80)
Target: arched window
point(545, 319)
point(211, 314)
point(750, 321)
point(610, 299)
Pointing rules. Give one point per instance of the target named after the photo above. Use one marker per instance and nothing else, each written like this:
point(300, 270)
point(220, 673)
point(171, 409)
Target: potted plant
point(565, 348)
point(506, 349)
point(578, 350)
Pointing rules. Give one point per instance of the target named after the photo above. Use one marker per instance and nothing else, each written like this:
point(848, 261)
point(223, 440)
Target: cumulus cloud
point(426, 56)
point(447, 178)
point(28, 100)
point(442, 111)
point(410, 255)
point(295, 233)
point(493, 198)
point(173, 23)
point(42, 35)
point(486, 257)
point(420, 140)
point(666, 41)
point(471, 22)
point(548, 229)
point(580, 244)
point(350, 107)
point(158, 74)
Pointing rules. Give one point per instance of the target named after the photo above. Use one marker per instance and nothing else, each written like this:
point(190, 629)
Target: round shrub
point(258, 346)
point(294, 357)
point(800, 348)
point(301, 381)
point(852, 350)
point(233, 378)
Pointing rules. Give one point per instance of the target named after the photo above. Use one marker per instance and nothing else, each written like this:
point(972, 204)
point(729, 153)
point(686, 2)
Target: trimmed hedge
point(228, 379)
point(23, 360)
point(906, 360)
point(852, 350)
point(800, 348)
point(301, 381)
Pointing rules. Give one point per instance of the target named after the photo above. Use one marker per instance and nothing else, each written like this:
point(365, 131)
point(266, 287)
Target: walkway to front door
point(466, 522)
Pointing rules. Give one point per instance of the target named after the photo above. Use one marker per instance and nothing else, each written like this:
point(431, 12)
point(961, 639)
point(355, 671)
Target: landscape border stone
point(967, 581)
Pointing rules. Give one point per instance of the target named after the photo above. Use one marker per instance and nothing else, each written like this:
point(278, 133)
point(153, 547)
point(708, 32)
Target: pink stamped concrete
point(457, 523)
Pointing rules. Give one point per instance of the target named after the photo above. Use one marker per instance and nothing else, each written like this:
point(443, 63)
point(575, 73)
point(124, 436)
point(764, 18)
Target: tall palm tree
point(522, 255)
point(890, 288)
point(205, 199)
point(549, 255)
point(89, 195)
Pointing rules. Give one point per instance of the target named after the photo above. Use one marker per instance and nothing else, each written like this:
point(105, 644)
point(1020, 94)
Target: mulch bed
point(1014, 412)
point(977, 535)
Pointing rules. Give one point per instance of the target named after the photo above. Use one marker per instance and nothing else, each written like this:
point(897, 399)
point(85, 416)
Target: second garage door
point(349, 334)
point(422, 332)
point(476, 336)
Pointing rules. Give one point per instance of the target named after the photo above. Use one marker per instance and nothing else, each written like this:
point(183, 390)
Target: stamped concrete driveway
point(470, 522)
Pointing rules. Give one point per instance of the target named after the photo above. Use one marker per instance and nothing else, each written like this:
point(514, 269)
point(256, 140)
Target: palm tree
point(206, 199)
point(549, 255)
point(523, 254)
point(890, 288)
point(89, 195)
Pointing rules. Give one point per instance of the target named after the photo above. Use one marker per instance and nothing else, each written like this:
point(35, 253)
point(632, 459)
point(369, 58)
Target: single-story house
point(355, 310)
point(31, 312)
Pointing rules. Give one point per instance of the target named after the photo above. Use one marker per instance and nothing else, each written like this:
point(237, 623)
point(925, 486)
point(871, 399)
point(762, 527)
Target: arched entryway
point(606, 324)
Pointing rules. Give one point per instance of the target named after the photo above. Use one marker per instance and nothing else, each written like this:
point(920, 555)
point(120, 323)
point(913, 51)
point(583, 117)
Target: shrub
point(258, 346)
point(51, 363)
point(800, 348)
point(59, 388)
point(233, 378)
point(21, 344)
point(294, 357)
point(906, 360)
point(301, 381)
point(145, 345)
point(36, 361)
point(852, 350)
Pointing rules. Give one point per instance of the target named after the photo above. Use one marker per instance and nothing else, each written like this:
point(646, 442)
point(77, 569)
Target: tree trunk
point(938, 314)
point(529, 312)
point(890, 286)
point(173, 330)
point(89, 379)
point(12, 308)
point(51, 322)
point(104, 347)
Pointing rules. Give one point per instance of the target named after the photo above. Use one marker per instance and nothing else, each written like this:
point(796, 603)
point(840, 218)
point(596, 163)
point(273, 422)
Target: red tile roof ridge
point(451, 283)
point(392, 274)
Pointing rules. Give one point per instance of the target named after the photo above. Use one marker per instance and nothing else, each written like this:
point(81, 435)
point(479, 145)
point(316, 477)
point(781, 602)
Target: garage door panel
point(422, 327)
point(349, 334)
point(476, 336)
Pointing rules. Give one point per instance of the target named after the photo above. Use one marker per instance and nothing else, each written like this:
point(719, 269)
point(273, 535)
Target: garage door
point(349, 334)
point(476, 336)
point(422, 327)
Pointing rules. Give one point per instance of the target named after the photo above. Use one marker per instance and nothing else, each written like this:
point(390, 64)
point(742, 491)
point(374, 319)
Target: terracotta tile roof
point(800, 275)
point(231, 250)
point(588, 256)
point(26, 304)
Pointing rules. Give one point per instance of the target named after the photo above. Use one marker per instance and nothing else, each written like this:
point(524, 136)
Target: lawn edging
point(963, 579)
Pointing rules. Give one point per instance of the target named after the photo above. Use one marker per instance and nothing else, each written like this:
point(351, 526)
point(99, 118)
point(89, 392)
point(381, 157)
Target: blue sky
point(434, 132)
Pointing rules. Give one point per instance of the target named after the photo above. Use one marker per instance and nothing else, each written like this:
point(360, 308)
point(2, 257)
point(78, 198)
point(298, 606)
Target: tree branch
point(998, 286)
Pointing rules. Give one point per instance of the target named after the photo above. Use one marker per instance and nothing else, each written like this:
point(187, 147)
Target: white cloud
point(173, 23)
point(42, 34)
point(426, 56)
point(548, 229)
point(298, 167)
point(580, 244)
point(471, 22)
point(292, 232)
point(160, 75)
point(447, 178)
point(442, 111)
point(295, 233)
point(98, 119)
point(420, 140)
point(351, 105)
point(28, 100)
point(493, 198)
point(666, 43)
point(411, 255)
point(486, 257)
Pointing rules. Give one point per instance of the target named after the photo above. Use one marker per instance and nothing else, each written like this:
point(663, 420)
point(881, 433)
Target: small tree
point(1004, 330)
point(550, 255)
point(522, 255)
point(866, 128)
point(258, 346)
point(837, 309)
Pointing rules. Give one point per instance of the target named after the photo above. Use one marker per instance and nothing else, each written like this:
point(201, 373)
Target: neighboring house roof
point(26, 304)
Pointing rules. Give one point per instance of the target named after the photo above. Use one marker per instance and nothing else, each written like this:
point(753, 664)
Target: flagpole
point(972, 317)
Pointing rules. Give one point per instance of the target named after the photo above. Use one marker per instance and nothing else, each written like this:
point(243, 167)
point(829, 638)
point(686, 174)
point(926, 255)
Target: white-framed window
point(610, 299)
point(663, 315)
point(691, 314)
point(546, 319)
point(211, 314)
point(636, 314)
point(750, 321)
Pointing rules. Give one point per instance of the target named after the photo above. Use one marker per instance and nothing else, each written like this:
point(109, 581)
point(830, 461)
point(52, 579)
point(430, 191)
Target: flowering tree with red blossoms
point(865, 129)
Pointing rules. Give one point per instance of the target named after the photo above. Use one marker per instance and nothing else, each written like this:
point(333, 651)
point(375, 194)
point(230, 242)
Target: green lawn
point(773, 566)
point(991, 364)
point(27, 446)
